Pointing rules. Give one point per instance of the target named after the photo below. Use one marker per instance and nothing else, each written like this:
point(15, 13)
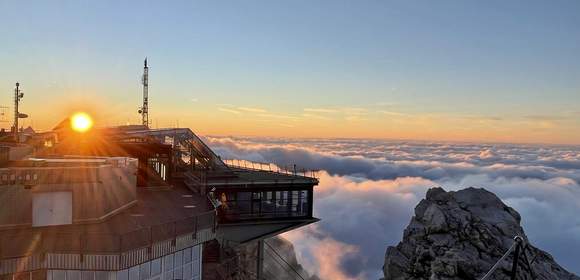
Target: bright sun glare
point(81, 122)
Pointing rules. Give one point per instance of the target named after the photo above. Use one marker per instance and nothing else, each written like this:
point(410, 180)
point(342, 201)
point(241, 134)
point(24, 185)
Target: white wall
point(184, 265)
point(51, 208)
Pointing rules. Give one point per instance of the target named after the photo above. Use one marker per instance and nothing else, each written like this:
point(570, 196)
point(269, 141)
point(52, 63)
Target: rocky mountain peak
point(461, 235)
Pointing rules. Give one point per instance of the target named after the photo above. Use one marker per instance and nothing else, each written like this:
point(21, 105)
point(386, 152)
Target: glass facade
point(265, 204)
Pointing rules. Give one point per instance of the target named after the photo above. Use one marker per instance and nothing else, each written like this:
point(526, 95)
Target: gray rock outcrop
point(280, 261)
point(275, 268)
point(461, 235)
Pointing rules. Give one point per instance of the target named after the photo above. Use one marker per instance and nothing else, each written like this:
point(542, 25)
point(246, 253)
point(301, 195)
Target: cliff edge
point(461, 235)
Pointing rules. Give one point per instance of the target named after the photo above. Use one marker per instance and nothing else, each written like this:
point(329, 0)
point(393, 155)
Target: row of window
point(12, 177)
point(265, 204)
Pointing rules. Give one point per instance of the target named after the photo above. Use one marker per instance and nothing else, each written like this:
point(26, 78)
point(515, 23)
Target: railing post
point(527, 262)
point(121, 242)
point(150, 247)
point(260, 267)
point(174, 241)
point(82, 241)
point(214, 220)
point(195, 227)
point(518, 240)
point(42, 249)
point(120, 248)
point(121, 258)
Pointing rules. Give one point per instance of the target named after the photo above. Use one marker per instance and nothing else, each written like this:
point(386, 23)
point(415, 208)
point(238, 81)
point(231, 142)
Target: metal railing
point(195, 181)
point(76, 241)
point(519, 248)
point(270, 167)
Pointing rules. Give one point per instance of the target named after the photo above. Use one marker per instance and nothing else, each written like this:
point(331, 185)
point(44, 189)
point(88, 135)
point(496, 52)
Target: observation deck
point(134, 196)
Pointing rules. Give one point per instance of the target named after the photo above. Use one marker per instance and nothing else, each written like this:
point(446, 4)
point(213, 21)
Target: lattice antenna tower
point(144, 110)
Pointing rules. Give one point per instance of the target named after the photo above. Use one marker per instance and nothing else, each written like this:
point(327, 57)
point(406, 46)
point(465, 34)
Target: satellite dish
point(22, 115)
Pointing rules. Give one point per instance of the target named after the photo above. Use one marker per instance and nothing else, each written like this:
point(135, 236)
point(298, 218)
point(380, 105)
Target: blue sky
point(514, 63)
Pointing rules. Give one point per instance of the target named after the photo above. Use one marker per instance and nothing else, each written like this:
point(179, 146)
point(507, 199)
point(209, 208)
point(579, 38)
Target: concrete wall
point(19, 152)
point(16, 206)
point(51, 208)
point(185, 264)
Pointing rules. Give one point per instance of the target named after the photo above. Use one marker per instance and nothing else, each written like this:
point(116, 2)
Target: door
point(51, 208)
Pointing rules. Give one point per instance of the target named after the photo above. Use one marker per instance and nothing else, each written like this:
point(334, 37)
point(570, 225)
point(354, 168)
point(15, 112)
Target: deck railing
point(42, 249)
point(271, 167)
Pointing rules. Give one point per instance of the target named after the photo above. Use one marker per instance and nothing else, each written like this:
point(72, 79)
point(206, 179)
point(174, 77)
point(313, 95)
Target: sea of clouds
point(368, 190)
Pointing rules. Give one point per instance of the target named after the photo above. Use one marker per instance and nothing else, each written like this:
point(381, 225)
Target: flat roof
point(52, 162)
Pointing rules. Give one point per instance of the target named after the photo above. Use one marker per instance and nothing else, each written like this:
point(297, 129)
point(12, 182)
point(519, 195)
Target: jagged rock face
point(461, 235)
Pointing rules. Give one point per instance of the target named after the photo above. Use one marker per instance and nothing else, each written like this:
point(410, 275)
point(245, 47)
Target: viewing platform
point(137, 202)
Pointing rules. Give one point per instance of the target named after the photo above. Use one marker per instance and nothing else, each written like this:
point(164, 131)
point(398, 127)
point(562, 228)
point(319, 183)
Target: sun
point(81, 122)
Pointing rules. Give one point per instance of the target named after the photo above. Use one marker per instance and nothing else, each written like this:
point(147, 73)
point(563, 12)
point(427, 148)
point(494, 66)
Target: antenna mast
point(144, 110)
point(17, 96)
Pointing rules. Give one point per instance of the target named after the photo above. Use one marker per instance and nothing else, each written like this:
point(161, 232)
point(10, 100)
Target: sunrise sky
point(483, 71)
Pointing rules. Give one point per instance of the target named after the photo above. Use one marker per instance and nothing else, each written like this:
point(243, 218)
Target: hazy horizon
point(375, 186)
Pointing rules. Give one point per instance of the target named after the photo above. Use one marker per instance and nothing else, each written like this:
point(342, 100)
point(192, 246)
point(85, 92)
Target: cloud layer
point(368, 189)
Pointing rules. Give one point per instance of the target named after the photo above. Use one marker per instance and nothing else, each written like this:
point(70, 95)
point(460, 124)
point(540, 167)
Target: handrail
point(79, 242)
point(518, 246)
point(270, 167)
point(496, 265)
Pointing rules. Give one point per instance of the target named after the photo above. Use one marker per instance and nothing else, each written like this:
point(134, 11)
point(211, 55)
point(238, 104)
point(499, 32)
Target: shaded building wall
point(19, 152)
point(16, 204)
point(185, 264)
point(96, 191)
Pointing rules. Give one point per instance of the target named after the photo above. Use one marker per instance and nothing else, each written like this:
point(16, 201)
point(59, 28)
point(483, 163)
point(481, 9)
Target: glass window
point(294, 201)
